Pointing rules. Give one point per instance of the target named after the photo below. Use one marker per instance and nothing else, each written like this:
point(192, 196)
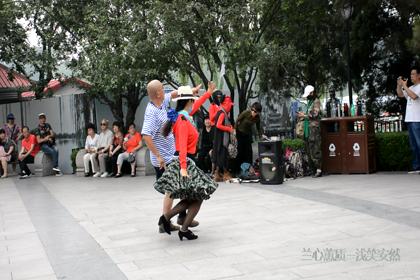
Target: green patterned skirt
point(198, 186)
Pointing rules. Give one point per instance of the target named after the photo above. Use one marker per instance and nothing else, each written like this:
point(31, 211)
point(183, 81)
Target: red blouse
point(186, 135)
point(227, 106)
point(213, 109)
point(220, 124)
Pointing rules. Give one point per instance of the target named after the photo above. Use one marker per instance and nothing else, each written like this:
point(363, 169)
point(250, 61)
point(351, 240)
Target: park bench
point(42, 165)
point(144, 166)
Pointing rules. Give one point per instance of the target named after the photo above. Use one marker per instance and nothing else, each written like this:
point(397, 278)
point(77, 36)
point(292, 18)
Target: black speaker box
point(271, 162)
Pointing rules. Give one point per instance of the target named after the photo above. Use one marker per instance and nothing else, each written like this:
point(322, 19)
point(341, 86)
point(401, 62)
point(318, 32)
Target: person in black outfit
point(116, 148)
point(205, 146)
point(244, 128)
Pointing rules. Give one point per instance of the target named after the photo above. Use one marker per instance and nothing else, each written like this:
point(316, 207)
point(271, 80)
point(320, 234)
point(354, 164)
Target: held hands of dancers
point(196, 89)
point(162, 164)
point(184, 173)
point(211, 87)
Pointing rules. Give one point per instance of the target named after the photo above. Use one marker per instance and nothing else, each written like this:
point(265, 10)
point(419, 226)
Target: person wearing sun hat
point(182, 178)
point(161, 148)
point(312, 130)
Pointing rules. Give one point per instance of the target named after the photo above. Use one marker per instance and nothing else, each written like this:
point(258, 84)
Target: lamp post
point(346, 12)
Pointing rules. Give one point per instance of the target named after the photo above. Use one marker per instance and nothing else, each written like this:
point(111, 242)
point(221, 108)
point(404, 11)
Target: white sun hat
point(308, 90)
point(185, 92)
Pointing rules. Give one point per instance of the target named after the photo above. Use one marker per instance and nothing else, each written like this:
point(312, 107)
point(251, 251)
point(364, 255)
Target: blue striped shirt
point(154, 119)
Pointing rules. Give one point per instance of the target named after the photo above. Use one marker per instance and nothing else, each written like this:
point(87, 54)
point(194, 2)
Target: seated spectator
point(45, 137)
point(116, 148)
point(91, 146)
point(132, 143)
point(104, 143)
point(28, 152)
point(13, 132)
point(7, 146)
point(205, 145)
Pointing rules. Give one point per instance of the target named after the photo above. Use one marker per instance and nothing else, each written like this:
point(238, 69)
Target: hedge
point(392, 150)
point(294, 144)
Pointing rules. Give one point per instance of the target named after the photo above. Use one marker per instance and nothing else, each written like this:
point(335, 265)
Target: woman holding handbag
point(132, 143)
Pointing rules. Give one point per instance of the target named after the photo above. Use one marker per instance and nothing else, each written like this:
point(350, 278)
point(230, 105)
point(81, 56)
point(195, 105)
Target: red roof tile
point(55, 85)
point(18, 81)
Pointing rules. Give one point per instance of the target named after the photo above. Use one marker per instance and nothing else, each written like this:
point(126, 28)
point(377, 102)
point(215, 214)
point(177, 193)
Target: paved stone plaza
point(334, 227)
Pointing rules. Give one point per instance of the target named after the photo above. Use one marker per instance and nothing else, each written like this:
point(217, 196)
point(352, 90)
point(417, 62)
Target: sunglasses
point(103, 123)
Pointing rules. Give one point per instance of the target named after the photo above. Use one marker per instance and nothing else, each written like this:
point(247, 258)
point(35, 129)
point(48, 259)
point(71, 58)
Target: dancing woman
point(183, 179)
point(220, 155)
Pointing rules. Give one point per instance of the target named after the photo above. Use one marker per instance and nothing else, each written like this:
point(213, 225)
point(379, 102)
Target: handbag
point(131, 158)
point(233, 146)
point(300, 128)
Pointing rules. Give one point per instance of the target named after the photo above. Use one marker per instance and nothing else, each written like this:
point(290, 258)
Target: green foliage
point(12, 35)
point(119, 45)
point(204, 35)
point(294, 144)
point(414, 43)
point(315, 32)
point(393, 151)
point(120, 53)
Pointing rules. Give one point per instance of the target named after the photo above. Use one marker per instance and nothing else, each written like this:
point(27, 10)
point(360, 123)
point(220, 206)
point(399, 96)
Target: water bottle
point(339, 112)
point(333, 109)
point(364, 108)
point(359, 107)
point(346, 110)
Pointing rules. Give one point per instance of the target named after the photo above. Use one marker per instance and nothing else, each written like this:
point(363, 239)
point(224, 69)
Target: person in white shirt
point(104, 143)
point(91, 147)
point(412, 114)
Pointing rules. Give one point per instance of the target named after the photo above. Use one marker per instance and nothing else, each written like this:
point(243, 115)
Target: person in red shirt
point(213, 109)
point(132, 143)
point(221, 140)
point(30, 148)
point(183, 179)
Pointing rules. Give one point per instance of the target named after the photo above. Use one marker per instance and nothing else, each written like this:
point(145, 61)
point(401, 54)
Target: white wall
point(64, 113)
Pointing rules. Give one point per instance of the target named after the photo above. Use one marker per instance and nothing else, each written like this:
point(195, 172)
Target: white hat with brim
point(185, 93)
point(308, 90)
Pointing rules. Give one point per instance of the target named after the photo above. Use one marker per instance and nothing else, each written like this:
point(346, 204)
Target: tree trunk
point(134, 99)
point(131, 113)
point(242, 100)
point(86, 111)
point(117, 109)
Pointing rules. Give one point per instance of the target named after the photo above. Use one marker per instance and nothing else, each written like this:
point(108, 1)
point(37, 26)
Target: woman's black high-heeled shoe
point(163, 222)
point(187, 234)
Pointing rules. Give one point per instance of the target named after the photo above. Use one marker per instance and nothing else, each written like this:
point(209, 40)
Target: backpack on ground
point(296, 164)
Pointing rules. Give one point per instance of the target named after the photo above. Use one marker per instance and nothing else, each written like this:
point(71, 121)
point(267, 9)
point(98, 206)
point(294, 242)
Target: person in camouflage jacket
point(312, 130)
